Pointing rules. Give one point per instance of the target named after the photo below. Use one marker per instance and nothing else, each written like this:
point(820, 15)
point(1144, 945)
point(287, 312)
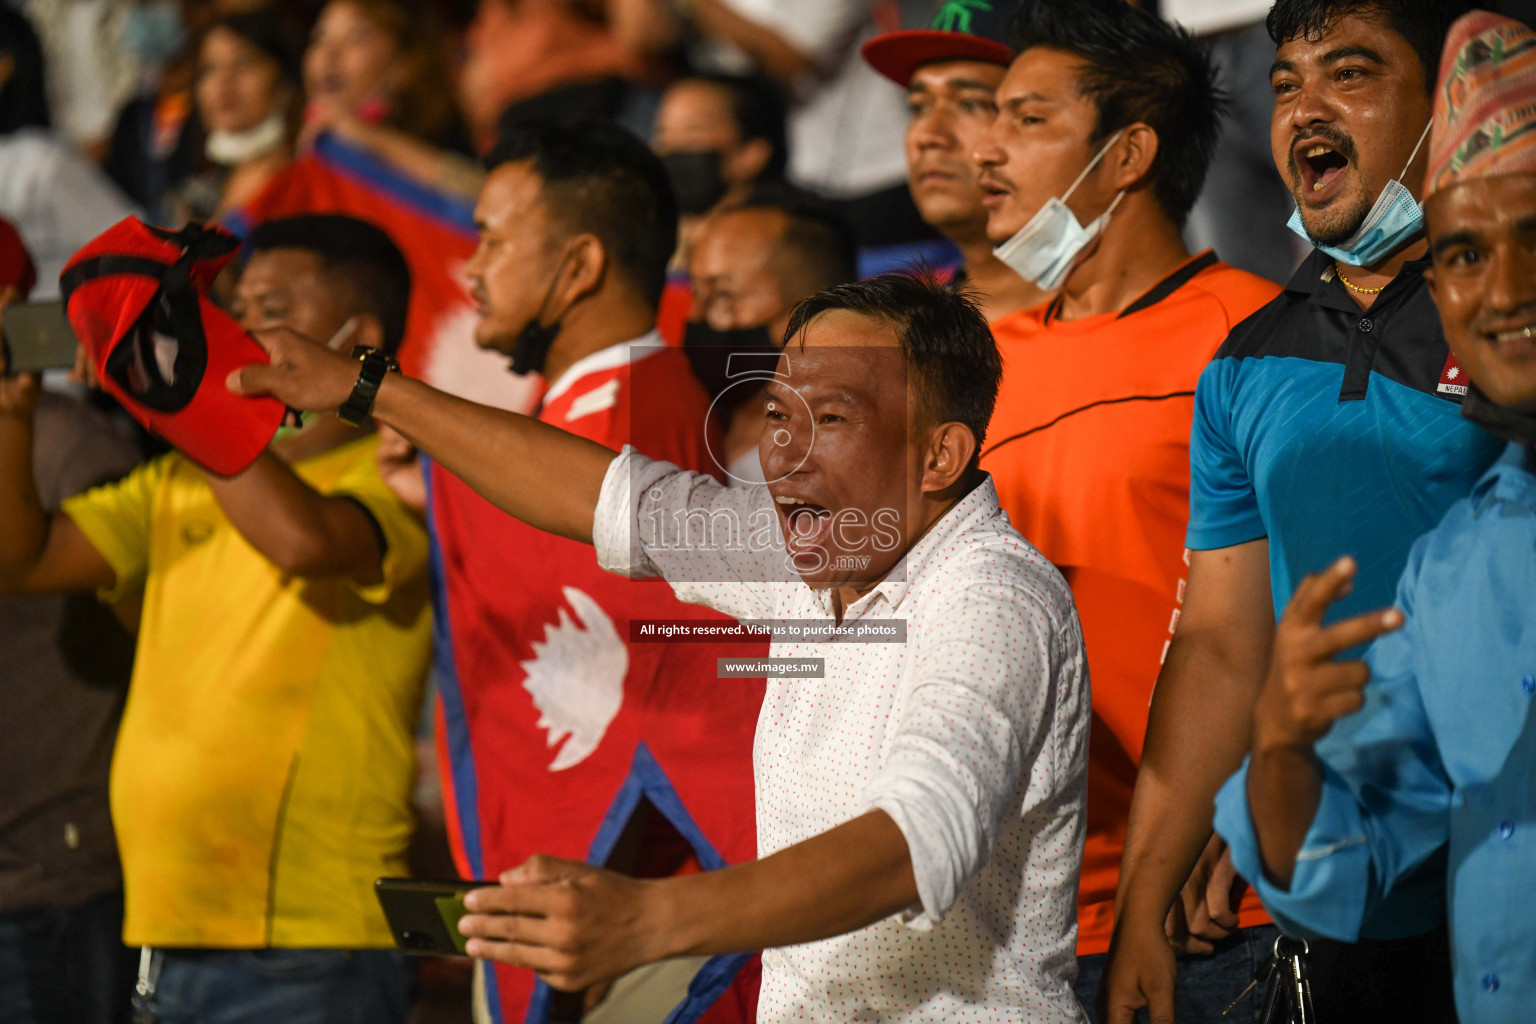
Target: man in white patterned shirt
point(920, 804)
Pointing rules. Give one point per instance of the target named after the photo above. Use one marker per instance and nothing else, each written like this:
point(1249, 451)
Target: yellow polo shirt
point(264, 767)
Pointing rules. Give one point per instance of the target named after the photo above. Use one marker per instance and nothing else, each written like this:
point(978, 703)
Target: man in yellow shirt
point(264, 767)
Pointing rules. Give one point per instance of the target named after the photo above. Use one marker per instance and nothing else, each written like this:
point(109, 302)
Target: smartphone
point(424, 915)
point(37, 337)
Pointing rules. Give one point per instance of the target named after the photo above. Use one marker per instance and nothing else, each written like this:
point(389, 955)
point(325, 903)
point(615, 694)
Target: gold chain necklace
point(1347, 283)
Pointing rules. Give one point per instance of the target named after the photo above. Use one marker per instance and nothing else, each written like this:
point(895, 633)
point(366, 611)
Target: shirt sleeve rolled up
point(974, 747)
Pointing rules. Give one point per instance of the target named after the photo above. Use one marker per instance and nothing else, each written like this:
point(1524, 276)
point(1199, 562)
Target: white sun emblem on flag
point(576, 678)
point(1453, 373)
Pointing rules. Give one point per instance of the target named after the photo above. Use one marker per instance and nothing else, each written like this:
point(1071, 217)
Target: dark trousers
point(1207, 983)
point(1384, 980)
point(65, 965)
point(1374, 981)
point(265, 986)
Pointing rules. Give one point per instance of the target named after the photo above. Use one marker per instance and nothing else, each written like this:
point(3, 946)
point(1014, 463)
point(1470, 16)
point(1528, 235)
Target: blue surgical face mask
point(1395, 218)
point(153, 31)
point(1045, 250)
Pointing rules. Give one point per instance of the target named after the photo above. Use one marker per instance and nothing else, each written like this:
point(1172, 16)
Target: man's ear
point(366, 330)
point(749, 161)
point(948, 454)
point(1132, 158)
point(585, 266)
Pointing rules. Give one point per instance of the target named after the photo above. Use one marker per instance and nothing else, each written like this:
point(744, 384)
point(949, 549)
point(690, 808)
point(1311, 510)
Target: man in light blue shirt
point(1442, 763)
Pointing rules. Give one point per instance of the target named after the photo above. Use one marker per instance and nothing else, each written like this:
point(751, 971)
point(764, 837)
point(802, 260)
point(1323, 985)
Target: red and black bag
point(137, 298)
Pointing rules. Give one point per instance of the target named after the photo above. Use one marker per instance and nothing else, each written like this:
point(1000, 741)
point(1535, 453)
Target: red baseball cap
point(137, 299)
point(962, 30)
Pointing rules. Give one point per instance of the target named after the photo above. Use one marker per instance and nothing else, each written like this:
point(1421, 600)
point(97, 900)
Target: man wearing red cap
point(262, 775)
point(1107, 121)
point(1444, 760)
point(951, 71)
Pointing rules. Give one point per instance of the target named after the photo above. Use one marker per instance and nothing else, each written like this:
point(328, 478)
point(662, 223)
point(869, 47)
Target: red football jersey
point(553, 726)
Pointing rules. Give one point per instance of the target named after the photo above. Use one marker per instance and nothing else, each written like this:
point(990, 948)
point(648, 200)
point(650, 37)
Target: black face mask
point(1512, 423)
point(709, 352)
point(531, 347)
point(696, 179)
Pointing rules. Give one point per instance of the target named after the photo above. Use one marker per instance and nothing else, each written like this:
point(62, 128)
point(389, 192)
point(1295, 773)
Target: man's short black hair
point(817, 237)
point(1139, 68)
point(757, 106)
point(952, 362)
point(355, 251)
point(1424, 23)
point(597, 178)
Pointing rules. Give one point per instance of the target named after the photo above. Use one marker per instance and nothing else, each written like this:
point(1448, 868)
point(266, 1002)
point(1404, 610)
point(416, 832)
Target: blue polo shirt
point(1332, 431)
point(1442, 767)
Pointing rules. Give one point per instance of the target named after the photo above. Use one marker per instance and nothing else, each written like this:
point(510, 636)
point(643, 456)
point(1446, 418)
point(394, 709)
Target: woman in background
point(247, 95)
point(378, 74)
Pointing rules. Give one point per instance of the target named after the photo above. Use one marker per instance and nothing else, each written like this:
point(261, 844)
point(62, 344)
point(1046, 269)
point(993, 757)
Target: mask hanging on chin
point(234, 148)
point(530, 349)
point(1393, 219)
point(1045, 250)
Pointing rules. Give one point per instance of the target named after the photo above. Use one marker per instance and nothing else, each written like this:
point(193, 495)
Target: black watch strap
point(376, 363)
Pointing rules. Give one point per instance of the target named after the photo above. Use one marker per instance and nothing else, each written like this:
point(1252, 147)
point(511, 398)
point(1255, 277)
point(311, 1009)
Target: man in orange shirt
point(1107, 121)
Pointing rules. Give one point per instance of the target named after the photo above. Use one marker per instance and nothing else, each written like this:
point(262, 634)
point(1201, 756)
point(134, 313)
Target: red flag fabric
point(435, 231)
point(562, 735)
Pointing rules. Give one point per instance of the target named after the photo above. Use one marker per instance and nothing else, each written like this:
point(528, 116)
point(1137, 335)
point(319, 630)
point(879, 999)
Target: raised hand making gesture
point(1306, 692)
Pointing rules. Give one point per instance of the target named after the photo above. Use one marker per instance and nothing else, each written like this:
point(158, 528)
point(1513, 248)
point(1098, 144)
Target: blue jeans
point(65, 965)
point(264, 986)
point(1207, 983)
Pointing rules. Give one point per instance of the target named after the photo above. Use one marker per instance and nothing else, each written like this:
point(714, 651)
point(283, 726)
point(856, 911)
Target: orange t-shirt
point(1089, 450)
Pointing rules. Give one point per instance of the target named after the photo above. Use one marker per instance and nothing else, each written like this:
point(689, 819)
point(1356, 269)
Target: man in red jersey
point(559, 733)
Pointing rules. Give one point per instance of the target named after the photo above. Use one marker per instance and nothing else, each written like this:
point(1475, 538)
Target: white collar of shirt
point(604, 359)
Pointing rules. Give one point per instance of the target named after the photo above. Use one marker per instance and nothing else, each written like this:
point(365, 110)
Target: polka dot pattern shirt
point(972, 735)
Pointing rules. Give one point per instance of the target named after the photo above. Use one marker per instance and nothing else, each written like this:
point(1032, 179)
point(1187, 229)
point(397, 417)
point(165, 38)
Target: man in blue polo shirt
point(1443, 763)
point(1328, 423)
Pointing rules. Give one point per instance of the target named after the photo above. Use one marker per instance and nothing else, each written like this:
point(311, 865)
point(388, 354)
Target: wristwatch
point(376, 363)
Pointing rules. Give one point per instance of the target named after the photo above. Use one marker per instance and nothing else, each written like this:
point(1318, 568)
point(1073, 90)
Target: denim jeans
point(1207, 983)
point(65, 965)
point(264, 986)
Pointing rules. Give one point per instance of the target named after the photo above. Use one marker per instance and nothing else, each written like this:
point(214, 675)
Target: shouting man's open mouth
point(807, 524)
point(1320, 165)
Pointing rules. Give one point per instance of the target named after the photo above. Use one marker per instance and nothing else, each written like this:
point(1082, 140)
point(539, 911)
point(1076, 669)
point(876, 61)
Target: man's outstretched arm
point(535, 472)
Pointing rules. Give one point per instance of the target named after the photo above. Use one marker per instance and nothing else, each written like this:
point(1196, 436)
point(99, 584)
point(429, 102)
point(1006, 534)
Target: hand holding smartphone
point(37, 337)
point(424, 915)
